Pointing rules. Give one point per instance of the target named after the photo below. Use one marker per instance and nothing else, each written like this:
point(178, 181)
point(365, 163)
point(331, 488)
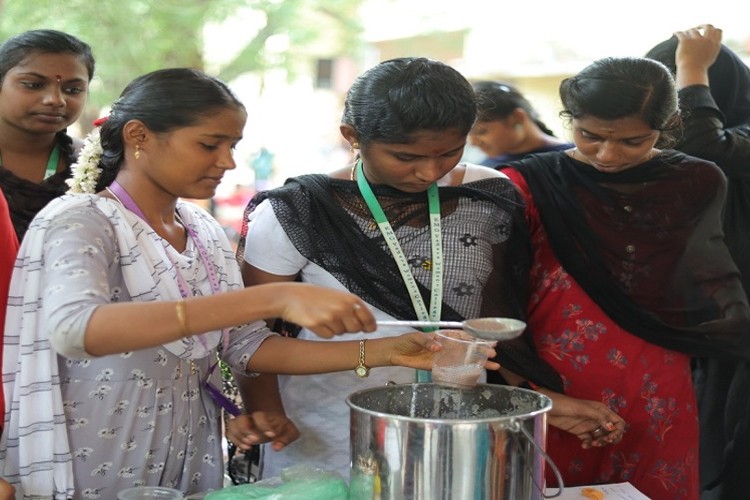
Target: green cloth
point(296, 483)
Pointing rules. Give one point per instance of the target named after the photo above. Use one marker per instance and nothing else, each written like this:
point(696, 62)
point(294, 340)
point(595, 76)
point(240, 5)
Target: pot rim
point(508, 419)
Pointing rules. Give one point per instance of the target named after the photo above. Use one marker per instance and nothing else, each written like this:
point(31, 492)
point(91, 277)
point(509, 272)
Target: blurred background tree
point(132, 37)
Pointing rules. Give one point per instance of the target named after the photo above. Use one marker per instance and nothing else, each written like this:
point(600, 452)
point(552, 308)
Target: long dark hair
point(621, 87)
point(163, 100)
point(396, 98)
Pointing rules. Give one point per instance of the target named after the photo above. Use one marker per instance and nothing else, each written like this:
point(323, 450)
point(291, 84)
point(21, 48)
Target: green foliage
point(132, 37)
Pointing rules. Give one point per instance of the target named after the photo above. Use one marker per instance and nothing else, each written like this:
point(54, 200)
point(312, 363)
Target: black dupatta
point(646, 244)
point(316, 214)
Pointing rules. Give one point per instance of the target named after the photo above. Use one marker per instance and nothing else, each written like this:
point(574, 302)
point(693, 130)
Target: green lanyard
point(54, 157)
point(436, 294)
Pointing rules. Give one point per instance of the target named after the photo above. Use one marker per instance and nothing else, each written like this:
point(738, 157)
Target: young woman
point(406, 227)
point(7, 258)
point(714, 88)
point(508, 127)
point(125, 298)
point(631, 275)
point(44, 79)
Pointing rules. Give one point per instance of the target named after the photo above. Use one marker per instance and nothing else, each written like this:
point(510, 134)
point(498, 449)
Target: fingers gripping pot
point(427, 441)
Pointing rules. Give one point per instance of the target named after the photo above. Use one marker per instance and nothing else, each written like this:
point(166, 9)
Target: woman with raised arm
point(713, 84)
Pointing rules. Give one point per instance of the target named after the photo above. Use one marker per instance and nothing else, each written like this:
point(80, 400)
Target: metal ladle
point(483, 328)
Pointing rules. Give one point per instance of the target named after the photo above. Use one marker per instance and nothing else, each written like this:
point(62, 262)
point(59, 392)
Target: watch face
point(362, 371)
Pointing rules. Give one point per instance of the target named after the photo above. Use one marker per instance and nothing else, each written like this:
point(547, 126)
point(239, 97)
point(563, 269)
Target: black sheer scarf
point(322, 217)
point(646, 244)
point(26, 198)
point(730, 87)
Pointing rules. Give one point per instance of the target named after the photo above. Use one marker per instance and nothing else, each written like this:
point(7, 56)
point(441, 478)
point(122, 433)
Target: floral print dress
point(649, 386)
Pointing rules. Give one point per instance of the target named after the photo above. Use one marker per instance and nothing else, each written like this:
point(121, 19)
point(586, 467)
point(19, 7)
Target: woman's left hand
point(417, 350)
point(595, 424)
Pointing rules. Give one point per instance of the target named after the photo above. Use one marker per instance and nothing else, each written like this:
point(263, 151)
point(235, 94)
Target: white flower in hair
point(86, 171)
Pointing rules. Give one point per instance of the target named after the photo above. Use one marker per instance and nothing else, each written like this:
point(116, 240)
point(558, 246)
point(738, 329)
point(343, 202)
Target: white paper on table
point(616, 491)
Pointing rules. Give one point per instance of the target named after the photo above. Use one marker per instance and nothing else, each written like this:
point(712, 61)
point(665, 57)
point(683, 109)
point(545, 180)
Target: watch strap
point(361, 370)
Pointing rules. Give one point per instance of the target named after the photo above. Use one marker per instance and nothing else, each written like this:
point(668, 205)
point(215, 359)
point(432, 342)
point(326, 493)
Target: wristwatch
point(361, 370)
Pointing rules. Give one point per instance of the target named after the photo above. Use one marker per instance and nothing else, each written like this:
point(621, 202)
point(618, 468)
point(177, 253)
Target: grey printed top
point(136, 418)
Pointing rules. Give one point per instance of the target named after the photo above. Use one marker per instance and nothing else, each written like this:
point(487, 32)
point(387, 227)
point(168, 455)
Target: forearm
point(691, 74)
point(289, 356)
point(260, 393)
point(129, 326)
point(705, 135)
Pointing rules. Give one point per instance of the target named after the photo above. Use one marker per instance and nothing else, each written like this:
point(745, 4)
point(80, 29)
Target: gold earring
point(354, 145)
point(137, 153)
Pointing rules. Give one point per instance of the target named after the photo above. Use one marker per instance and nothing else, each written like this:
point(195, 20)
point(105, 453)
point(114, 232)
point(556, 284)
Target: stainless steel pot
point(433, 442)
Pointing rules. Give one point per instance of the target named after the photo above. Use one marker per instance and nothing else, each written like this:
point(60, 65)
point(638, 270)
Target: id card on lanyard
point(436, 289)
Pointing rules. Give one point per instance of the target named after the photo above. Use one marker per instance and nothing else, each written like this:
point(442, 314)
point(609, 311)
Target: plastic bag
point(301, 482)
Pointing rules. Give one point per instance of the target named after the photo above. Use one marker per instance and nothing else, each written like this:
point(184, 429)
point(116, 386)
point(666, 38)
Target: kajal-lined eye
point(32, 85)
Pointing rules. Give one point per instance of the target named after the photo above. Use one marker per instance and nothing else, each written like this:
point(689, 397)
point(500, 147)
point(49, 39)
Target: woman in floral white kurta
point(141, 411)
point(120, 301)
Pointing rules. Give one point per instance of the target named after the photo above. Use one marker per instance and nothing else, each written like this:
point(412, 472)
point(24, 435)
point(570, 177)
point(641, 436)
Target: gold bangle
point(182, 317)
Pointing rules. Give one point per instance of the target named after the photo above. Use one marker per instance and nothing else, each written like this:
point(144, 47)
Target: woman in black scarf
point(714, 90)
point(631, 276)
point(44, 80)
point(408, 119)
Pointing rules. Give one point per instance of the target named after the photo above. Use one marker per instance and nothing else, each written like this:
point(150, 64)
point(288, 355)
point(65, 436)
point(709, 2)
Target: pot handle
point(517, 426)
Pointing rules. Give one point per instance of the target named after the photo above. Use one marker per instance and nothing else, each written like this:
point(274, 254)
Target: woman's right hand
point(325, 311)
point(697, 49)
point(591, 421)
point(261, 427)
